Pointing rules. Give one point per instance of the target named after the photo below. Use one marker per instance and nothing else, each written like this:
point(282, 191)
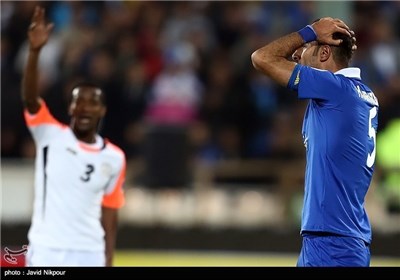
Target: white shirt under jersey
point(73, 180)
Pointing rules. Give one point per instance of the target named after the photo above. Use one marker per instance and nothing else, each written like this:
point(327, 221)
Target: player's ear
point(325, 53)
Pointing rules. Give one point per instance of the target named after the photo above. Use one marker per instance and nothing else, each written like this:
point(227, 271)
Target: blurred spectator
point(380, 61)
point(48, 64)
point(171, 109)
point(282, 140)
point(229, 111)
point(135, 89)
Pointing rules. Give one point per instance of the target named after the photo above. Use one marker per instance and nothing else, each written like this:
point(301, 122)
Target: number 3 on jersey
point(372, 134)
point(89, 170)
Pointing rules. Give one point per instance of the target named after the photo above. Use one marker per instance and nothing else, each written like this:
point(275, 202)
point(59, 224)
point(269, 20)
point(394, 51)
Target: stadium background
point(215, 168)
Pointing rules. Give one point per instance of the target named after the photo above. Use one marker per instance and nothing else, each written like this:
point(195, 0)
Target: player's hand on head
point(326, 27)
point(353, 41)
point(39, 30)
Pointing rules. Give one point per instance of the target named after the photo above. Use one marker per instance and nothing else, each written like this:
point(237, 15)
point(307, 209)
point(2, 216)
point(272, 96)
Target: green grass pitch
point(142, 258)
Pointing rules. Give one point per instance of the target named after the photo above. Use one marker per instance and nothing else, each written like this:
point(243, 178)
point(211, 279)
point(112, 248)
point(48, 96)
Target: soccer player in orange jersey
point(79, 175)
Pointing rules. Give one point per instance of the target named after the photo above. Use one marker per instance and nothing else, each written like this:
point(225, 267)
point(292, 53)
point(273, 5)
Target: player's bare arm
point(38, 35)
point(109, 221)
point(274, 59)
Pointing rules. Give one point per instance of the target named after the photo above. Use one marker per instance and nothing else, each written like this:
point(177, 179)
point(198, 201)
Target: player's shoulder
point(322, 77)
point(319, 76)
point(113, 148)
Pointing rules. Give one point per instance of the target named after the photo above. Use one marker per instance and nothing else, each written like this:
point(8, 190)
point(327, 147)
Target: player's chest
point(71, 163)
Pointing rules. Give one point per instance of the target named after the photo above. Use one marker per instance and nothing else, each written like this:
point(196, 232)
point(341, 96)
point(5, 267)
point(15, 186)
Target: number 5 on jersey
point(372, 134)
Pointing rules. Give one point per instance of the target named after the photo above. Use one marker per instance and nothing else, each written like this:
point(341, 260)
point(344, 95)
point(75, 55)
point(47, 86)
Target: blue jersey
point(339, 133)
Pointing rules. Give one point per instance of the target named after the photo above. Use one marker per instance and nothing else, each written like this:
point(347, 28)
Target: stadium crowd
point(181, 72)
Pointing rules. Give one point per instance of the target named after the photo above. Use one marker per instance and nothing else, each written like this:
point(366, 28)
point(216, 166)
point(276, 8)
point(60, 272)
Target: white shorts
point(43, 256)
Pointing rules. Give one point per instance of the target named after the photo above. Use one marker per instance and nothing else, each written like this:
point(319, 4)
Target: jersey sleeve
point(114, 196)
point(42, 125)
point(312, 83)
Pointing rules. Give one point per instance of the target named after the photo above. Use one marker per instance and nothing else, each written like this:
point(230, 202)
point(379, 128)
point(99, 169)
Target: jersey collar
point(350, 72)
point(95, 147)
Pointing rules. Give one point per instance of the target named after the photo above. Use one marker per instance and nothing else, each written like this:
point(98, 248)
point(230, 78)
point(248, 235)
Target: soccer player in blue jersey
point(339, 131)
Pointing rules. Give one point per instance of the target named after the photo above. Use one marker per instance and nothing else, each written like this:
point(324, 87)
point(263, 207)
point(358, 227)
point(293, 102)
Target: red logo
point(13, 257)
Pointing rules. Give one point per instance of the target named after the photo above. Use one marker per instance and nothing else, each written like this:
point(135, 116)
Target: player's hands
point(325, 27)
point(39, 30)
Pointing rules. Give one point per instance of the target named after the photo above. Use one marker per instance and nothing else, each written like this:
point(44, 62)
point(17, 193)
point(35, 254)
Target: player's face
point(86, 108)
point(307, 54)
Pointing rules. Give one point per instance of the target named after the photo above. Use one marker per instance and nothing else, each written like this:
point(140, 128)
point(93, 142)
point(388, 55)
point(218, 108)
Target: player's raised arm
point(274, 59)
point(38, 35)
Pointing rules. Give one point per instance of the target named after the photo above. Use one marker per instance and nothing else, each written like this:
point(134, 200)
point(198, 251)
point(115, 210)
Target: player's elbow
point(275, 67)
point(256, 59)
point(262, 62)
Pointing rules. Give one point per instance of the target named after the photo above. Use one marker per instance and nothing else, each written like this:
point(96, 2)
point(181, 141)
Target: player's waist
point(319, 233)
point(327, 234)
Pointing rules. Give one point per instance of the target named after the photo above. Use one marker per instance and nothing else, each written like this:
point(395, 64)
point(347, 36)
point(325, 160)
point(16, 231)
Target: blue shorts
point(333, 250)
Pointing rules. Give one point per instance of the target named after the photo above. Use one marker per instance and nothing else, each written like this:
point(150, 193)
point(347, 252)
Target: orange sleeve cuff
point(43, 116)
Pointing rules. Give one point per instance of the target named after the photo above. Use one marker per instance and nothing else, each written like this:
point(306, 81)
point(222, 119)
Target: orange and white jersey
point(72, 181)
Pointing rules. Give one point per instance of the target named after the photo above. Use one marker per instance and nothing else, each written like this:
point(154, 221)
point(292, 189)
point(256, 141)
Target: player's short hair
point(343, 53)
point(92, 85)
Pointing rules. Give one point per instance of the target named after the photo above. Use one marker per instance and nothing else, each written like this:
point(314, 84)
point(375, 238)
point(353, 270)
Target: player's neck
point(89, 137)
point(332, 66)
